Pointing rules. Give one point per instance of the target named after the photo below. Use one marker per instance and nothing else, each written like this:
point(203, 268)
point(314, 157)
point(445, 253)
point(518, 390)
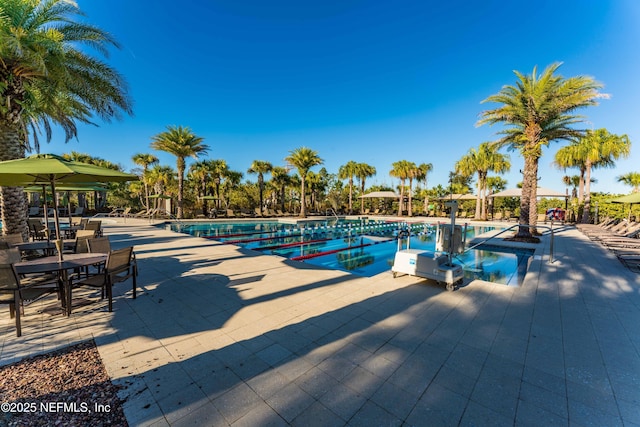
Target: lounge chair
point(231, 214)
point(79, 211)
point(258, 213)
point(34, 211)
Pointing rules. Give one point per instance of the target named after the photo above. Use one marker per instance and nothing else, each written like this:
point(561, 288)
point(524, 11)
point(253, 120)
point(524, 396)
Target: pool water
point(362, 247)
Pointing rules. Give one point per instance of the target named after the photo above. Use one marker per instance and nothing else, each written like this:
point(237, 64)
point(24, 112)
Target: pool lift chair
point(437, 265)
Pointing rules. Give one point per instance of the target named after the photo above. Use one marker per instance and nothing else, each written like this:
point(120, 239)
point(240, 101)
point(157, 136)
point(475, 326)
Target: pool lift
point(436, 266)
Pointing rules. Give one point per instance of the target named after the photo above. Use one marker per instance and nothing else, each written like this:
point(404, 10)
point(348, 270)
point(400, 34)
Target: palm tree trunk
point(303, 209)
point(478, 213)
point(410, 213)
point(529, 180)
point(12, 199)
point(587, 194)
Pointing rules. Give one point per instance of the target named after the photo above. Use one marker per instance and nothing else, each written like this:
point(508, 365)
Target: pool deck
point(224, 336)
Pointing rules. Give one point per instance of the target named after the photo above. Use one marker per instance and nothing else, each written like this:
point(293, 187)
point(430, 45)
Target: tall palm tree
point(632, 179)
point(539, 109)
point(182, 143)
point(260, 167)
point(47, 78)
point(349, 171)
point(364, 171)
point(402, 170)
point(145, 160)
point(596, 149)
point(481, 161)
point(303, 159)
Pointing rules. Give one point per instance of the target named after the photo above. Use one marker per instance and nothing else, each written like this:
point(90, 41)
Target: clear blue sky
point(369, 81)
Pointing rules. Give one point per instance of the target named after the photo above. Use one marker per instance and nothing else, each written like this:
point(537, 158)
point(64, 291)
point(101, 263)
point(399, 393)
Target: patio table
point(52, 264)
point(48, 247)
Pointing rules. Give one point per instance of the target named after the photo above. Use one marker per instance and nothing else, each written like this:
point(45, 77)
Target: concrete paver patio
point(224, 336)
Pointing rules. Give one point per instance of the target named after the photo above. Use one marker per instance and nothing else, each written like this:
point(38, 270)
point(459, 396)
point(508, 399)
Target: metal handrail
point(520, 225)
point(332, 211)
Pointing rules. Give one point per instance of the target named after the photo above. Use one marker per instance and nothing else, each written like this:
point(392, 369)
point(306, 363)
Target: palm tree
point(536, 111)
point(219, 170)
point(303, 159)
point(145, 160)
point(596, 149)
point(161, 178)
point(425, 168)
point(364, 171)
point(260, 167)
point(348, 171)
point(280, 179)
point(402, 170)
point(632, 179)
point(200, 172)
point(182, 143)
point(572, 181)
point(232, 180)
point(481, 161)
point(48, 79)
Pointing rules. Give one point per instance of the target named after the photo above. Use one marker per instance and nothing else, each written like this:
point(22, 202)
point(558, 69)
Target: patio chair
point(119, 267)
point(37, 230)
point(79, 211)
point(34, 211)
point(99, 245)
point(95, 226)
point(14, 290)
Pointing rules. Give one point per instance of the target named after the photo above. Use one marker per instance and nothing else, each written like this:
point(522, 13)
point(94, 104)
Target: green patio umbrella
point(632, 199)
point(49, 169)
point(91, 186)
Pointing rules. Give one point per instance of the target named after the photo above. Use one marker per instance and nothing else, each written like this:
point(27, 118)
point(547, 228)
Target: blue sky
point(369, 81)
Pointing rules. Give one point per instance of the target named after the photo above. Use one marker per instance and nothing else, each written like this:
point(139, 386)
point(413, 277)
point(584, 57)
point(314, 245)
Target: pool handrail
point(519, 225)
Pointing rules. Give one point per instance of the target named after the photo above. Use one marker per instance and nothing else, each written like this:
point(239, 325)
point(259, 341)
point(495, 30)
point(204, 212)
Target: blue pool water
point(362, 247)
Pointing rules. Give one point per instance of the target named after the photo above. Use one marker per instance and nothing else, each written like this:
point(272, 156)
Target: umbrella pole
point(46, 213)
point(69, 206)
point(56, 219)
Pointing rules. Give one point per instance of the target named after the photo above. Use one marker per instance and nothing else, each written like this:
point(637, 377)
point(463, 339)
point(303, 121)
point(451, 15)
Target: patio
point(223, 336)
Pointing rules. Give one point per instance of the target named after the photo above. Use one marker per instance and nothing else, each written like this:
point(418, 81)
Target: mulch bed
point(68, 387)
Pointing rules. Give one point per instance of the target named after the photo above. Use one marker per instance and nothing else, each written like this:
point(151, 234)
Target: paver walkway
point(223, 336)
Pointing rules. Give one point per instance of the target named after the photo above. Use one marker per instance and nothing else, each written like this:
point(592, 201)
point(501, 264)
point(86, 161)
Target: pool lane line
point(333, 251)
point(225, 236)
point(289, 245)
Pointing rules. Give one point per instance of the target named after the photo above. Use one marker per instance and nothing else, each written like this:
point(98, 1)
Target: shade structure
point(458, 197)
point(629, 198)
point(381, 194)
point(517, 192)
point(52, 170)
point(632, 199)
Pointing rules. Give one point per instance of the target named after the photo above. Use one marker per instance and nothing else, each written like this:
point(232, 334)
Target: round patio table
point(52, 264)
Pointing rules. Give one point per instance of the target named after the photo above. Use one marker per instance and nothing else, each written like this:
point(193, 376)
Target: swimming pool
point(363, 247)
